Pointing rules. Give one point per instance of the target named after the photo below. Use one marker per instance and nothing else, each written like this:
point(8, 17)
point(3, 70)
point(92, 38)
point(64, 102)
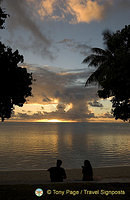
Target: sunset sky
point(54, 36)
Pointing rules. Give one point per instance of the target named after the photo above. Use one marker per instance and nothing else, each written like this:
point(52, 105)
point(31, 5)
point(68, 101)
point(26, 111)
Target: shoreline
point(102, 174)
point(40, 169)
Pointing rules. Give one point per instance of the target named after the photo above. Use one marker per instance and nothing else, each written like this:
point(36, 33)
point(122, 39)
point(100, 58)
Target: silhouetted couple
point(57, 174)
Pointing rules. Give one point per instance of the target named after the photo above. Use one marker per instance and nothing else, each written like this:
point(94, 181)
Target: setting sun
point(54, 120)
point(49, 120)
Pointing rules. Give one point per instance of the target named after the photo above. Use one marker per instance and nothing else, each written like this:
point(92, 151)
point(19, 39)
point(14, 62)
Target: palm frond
point(88, 58)
point(94, 60)
point(97, 61)
point(94, 76)
point(98, 51)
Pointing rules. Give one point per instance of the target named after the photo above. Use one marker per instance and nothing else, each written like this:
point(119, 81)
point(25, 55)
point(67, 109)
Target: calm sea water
point(25, 146)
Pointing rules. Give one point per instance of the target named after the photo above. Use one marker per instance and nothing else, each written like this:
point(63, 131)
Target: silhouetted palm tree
point(113, 71)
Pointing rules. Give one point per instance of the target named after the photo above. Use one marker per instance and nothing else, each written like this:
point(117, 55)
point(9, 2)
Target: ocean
point(34, 146)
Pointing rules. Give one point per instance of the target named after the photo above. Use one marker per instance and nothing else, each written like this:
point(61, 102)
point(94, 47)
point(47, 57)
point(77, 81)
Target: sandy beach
point(112, 183)
point(105, 174)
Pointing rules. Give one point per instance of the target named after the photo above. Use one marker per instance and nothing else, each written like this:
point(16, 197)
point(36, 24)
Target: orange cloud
point(85, 11)
point(46, 7)
point(74, 11)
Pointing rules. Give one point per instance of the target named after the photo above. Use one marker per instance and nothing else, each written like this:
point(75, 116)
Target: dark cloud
point(77, 113)
point(67, 42)
point(21, 16)
point(50, 86)
point(107, 115)
point(95, 104)
point(61, 107)
point(113, 6)
point(47, 100)
point(25, 116)
point(123, 4)
point(59, 114)
point(65, 88)
point(84, 49)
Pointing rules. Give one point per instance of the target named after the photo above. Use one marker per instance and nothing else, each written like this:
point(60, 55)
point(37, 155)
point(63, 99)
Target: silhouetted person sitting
point(87, 171)
point(57, 174)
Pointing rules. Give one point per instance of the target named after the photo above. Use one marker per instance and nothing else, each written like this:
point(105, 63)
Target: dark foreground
point(67, 191)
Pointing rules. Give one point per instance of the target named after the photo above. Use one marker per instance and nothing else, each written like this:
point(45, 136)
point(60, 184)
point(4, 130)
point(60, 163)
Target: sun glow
point(49, 120)
point(54, 120)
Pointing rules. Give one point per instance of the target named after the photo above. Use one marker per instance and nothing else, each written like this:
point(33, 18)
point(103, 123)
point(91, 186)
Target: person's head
point(87, 163)
point(59, 163)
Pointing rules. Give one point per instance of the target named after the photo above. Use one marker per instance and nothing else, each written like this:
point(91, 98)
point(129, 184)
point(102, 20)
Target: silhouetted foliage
point(113, 71)
point(3, 16)
point(15, 81)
